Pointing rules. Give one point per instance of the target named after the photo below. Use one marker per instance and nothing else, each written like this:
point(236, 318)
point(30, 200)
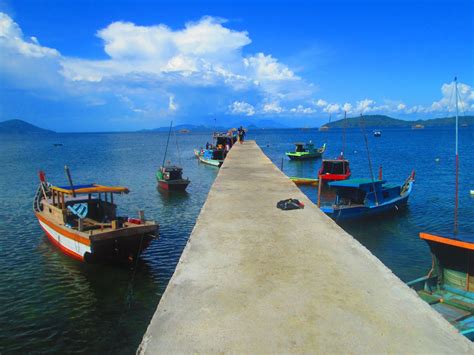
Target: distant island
point(21, 127)
point(381, 121)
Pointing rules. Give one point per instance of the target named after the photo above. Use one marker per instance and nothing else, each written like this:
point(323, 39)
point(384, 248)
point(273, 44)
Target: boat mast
point(457, 162)
point(343, 136)
point(368, 157)
point(167, 142)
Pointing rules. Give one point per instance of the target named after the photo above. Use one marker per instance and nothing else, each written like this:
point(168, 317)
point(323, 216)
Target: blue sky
point(121, 65)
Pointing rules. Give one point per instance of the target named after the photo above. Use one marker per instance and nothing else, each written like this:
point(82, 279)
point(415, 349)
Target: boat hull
point(358, 212)
point(211, 162)
point(304, 181)
point(334, 177)
point(307, 156)
point(119, 248)
point(173, 185)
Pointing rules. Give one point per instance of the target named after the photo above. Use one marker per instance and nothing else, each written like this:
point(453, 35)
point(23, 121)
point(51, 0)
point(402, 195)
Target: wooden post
point(111, 198)
point(63, 203)
point(141, 215)
point(114, 224)
point(80, 224)
point(380, 172)
point(54, 195)
point(319, 190)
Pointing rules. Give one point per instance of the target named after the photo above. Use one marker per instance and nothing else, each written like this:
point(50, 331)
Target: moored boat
point(358, 198)
point(304, 181)
point(210, 156)
point(306, 151)
point(377, 133)
point(170, 177)
point(82, 221)
point(334, 170)
point(449, 285)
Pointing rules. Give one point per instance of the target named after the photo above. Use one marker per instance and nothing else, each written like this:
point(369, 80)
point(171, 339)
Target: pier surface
point(255, 279)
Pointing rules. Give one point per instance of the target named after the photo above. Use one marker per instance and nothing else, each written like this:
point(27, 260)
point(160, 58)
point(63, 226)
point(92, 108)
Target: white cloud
point(347, 107)
point(321, 103)
point(172, 106)
point(332, 108)
point(300, 109)
point(266, 68)
point(11, 38)
point(272, 107)
point(242, 107)
point(365, 105)
point(401, 107)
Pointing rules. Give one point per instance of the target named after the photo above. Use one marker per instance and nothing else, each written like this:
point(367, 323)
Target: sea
point(51, 303)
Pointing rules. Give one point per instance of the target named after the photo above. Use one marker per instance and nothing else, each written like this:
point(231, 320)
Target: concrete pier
point(255, 279)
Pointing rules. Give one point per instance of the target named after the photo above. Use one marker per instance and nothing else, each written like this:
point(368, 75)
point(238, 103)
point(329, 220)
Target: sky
point(128, 65)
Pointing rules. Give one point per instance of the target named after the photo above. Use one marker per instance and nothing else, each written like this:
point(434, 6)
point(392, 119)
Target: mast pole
point(457, 161)
point(167, 142)
point(362, 123)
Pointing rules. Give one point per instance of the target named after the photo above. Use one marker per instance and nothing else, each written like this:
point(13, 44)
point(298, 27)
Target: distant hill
point(381, 121)
point(21, 127)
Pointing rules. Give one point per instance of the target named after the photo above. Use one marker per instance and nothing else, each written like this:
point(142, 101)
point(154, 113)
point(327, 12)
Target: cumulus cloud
point(242, 108)
point(300, 109)
point(321, 103)
point(332, 108)
point(272, 107)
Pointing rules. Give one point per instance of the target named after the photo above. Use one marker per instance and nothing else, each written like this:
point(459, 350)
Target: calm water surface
point(51, 303)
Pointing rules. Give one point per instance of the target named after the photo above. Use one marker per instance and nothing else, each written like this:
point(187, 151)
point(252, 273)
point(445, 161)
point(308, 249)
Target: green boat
point(304, 151)
point(449, 286)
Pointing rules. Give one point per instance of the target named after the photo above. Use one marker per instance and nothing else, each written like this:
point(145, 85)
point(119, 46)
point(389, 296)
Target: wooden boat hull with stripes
point(85, 238)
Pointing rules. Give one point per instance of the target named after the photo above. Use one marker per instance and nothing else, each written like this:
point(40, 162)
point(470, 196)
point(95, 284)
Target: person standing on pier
point(241, 133)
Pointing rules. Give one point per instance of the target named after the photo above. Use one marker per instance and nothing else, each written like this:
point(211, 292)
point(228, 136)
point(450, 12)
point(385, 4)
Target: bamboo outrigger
point(82, 221)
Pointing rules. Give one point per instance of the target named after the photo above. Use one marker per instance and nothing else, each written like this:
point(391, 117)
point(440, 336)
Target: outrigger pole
point(456, 198)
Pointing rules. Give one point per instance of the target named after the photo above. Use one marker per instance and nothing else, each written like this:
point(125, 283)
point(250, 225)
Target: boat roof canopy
point(356, 183)
point(89, 189)
point(463, 241)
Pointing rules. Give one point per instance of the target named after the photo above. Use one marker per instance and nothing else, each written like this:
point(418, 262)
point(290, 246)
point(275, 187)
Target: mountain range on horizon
point(17, 126)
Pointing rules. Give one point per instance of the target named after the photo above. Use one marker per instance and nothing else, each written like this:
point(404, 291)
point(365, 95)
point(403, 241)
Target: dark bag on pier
point(290, 204)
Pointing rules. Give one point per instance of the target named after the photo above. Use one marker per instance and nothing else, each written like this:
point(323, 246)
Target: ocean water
point(50, 303)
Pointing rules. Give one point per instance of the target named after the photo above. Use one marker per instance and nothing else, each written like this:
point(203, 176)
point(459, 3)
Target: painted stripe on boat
point(63, 231)
point(448, 241)
point(70, 247)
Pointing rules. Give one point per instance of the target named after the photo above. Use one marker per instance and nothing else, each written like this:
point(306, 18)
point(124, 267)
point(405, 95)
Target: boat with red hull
point(171, 178)
point(334, 170)
point(82, 221)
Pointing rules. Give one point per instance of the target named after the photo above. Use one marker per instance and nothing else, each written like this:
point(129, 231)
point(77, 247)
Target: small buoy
point(437, 160)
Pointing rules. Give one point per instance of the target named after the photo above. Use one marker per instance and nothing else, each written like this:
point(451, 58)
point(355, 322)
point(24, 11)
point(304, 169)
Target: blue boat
point(358, 198)
point(449, 286)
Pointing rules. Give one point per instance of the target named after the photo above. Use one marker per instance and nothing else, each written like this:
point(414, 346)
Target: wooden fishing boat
point(358, 198)
point(210, 156)
point(171, 178)
point(449, 286)
point(306, 151)
point(304, 181)
point(334, 170)
point(82, 221)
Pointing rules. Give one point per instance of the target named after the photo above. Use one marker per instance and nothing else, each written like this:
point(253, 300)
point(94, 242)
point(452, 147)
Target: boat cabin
point(361, 192)
point(335, 169)
point(91, 205)
point(171, 172)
